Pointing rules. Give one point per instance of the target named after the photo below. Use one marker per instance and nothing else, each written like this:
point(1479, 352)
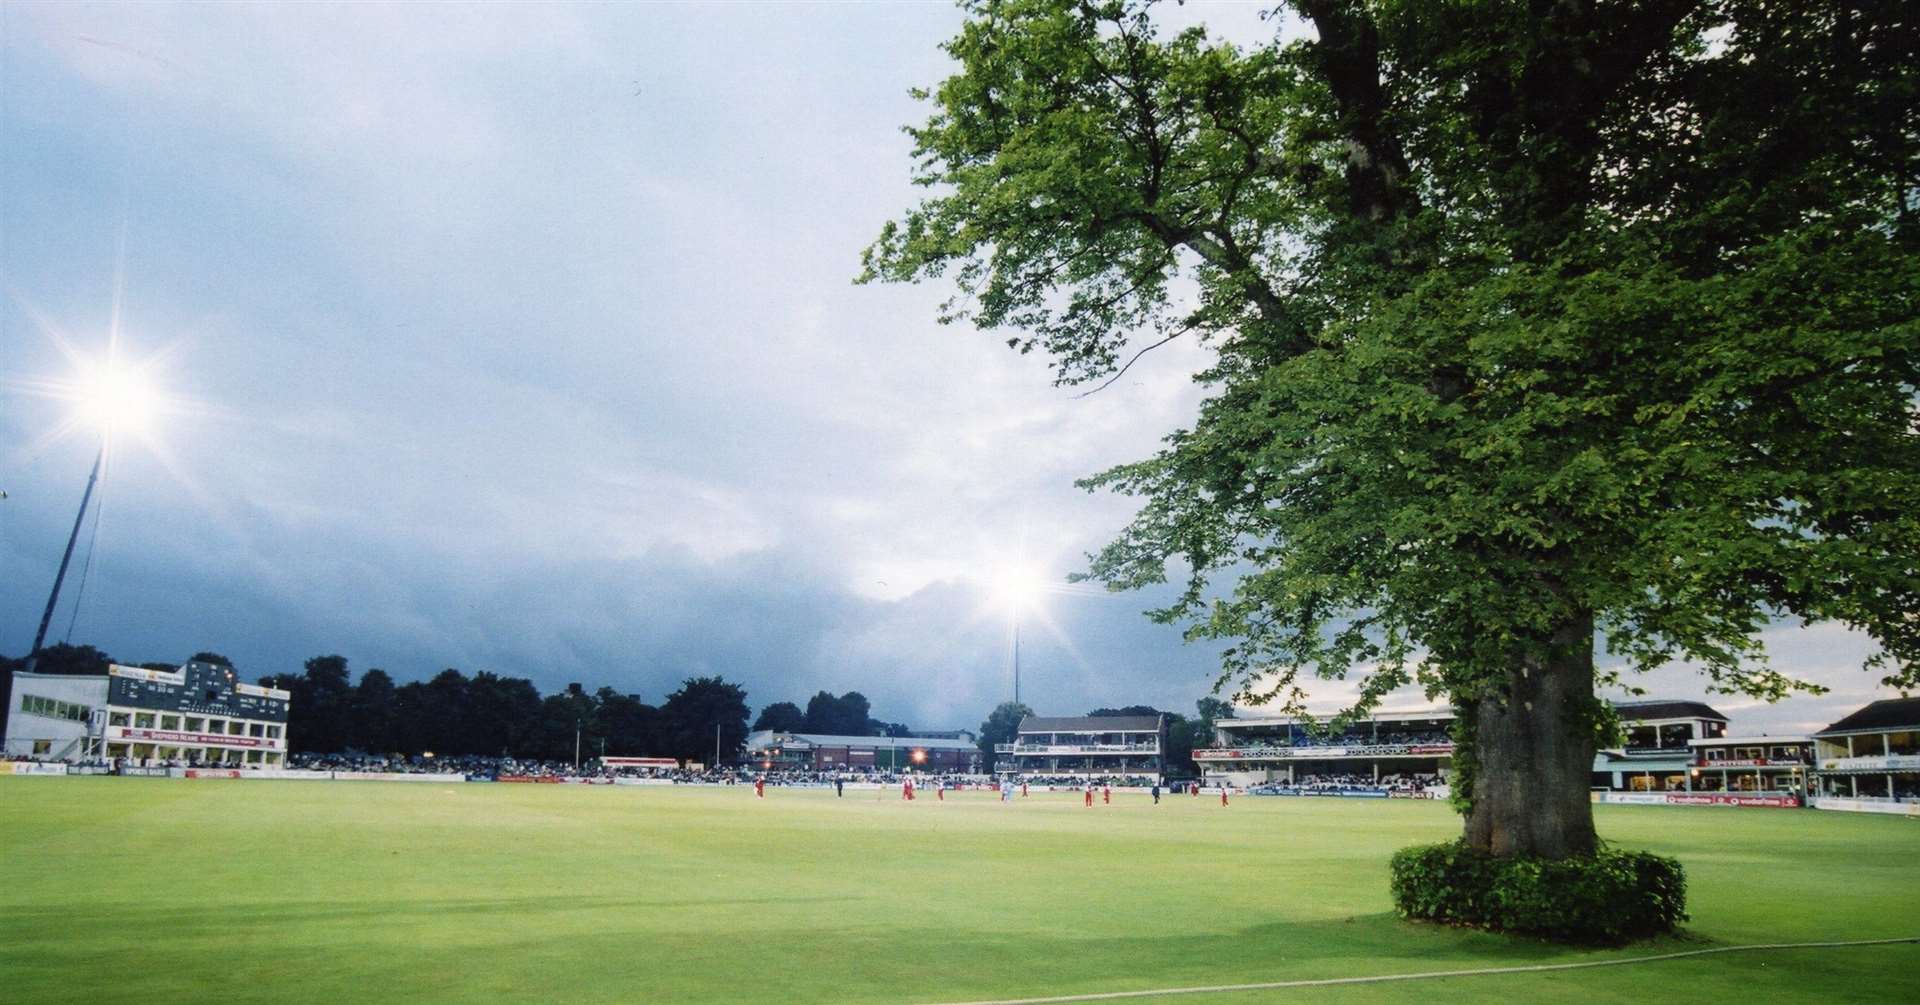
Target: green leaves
point(1519, 319)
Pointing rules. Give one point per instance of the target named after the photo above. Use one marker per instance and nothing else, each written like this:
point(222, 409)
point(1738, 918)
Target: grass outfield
point(148, 890)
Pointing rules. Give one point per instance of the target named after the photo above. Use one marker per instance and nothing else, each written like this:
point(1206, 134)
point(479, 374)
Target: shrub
point(1610, 897)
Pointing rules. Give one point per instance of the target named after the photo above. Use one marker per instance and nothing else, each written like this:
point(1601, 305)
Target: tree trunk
point(1533, 748)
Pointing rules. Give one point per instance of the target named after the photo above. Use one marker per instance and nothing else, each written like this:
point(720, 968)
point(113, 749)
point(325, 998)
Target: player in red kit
point(1106, 793)
point(906, 789)
point(760, 786)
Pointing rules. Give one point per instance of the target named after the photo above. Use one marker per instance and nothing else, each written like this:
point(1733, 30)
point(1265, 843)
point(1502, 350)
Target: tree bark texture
point(1533, 746)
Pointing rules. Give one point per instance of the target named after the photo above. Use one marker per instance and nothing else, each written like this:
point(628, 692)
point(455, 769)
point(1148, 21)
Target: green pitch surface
point(145, 890)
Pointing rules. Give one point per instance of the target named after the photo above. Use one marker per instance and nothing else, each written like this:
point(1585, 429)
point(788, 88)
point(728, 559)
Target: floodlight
point(117, 398)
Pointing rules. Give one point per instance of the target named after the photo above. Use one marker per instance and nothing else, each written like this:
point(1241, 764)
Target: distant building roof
point(1092, 724)
point(1887, 713)
point(1647, 711)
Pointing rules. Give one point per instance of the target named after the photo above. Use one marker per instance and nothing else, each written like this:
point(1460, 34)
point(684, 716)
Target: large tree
point(781, 717)
point(691, 716)
point(1535, 326)
point(1001, 726)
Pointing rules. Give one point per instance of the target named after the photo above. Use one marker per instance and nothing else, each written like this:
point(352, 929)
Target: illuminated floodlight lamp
point(117, 398)
point(1017, 587)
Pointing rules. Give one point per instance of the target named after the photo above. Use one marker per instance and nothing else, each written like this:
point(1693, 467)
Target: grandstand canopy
point(1657, 710)
point(1885, 714)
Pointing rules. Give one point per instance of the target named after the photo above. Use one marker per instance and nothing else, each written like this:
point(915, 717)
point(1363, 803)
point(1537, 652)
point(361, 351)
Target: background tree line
point(455, 714)
point(486, 714)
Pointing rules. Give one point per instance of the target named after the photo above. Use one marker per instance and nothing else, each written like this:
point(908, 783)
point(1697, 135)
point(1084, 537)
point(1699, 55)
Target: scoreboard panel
point(196, 688)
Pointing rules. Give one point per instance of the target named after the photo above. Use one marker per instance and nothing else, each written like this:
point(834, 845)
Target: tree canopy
point(1533, 326)
point(1001, 726)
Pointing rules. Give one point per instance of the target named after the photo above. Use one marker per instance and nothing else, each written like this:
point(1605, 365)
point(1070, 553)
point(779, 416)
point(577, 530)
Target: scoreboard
point(196, 688)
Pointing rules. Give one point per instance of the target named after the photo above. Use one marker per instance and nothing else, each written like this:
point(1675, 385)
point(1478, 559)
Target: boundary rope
point(1431, 974)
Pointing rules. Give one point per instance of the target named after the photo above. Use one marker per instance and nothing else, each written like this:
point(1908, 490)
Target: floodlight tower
point(66, 558)
point(111, 397)
point(1017, 587)
point(1016, 655)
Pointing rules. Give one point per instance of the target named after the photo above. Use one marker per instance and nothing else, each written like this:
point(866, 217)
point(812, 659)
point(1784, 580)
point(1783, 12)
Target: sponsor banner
point(263, 692)
point(208, 772)
point(136, 771)
point(587, 781)
point(32, 768)
point(288, 773)
point(653, 781)
point(172, 736)
point(1696, 799)
point(536, 779)
point(393, 776)
point(479, 778)
point(1730, 799)
point(174, 677)
point(88, 769)
point(1631, 798)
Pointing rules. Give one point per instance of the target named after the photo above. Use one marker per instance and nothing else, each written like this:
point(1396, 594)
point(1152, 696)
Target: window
point(216, 725)
point(33, 704)
point(236, 728)
point(254, 729)
point(195, 724)
point(143, 720)
point(273, 732)
point(117, 718)
point(42, 747)
point(169, 722)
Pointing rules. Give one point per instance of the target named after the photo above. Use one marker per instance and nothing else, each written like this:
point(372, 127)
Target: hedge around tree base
point(1611, 897)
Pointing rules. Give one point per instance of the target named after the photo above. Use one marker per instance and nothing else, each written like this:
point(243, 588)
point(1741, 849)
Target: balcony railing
point(1081, 748)
point(1894, 762)
point(1273, 752)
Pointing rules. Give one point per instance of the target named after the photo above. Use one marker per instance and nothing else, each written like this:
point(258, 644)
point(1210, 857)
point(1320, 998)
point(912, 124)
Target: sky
point(523, 338)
